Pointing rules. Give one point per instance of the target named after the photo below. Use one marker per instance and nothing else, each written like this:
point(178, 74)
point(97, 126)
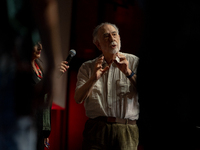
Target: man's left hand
point(123, 64)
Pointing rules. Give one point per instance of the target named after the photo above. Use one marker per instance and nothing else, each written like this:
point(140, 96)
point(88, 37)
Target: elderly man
point(107, 85)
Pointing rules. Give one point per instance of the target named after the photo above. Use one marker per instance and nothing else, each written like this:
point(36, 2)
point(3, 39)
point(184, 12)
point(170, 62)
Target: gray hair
point(98, 27)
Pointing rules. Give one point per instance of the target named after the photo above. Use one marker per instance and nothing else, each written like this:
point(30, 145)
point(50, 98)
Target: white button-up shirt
point(113, 94)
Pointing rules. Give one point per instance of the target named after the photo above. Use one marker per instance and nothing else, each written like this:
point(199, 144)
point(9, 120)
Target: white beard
point(114, 51)
point(117, 49)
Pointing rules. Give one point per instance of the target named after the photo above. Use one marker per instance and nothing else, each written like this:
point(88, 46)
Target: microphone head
point(72, 52)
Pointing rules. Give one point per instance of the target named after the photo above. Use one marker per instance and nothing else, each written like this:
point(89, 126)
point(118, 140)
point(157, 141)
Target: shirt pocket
point(122, 88)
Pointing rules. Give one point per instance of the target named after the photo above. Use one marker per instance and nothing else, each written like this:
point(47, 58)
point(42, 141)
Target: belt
point(115, 120)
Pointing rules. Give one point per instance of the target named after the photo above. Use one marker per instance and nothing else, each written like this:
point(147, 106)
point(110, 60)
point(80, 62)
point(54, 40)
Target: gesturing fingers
point(98, 70)
point(122, 64)
point(105, 69)
point(121, 57)
point(99, 62)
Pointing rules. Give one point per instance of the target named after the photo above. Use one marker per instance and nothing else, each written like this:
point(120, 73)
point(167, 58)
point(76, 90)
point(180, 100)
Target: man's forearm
point(84, 91)
point(132, 78)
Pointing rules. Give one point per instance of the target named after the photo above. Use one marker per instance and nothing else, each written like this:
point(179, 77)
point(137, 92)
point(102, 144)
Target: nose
point(39, 46)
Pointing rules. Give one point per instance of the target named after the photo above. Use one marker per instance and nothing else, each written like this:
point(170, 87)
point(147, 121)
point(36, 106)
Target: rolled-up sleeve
point(83, 75)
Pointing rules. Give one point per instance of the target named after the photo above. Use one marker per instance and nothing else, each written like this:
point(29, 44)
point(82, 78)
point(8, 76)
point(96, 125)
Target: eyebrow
point(108, 33)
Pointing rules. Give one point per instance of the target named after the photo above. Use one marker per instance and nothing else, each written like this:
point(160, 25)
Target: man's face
point(108, 39)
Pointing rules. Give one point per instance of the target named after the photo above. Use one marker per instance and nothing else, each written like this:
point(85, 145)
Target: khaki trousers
point(99, 135)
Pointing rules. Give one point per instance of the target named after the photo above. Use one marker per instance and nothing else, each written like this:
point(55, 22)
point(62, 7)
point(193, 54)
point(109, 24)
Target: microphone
point(72, 53)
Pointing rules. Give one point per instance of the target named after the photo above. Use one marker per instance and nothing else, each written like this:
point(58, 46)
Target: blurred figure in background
point(42, 109)
point(24, 22)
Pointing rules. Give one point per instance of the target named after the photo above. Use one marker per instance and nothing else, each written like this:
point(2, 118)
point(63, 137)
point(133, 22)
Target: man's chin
point(114, 51)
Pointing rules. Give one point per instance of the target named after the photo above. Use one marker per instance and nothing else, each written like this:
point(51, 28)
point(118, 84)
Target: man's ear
point(98, 45)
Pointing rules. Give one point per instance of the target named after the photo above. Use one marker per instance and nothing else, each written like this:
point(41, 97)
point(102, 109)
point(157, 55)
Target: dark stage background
point(166, 36)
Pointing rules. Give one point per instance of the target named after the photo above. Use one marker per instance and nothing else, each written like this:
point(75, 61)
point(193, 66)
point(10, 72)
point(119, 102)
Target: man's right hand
point(98, 69)
point(83, 92)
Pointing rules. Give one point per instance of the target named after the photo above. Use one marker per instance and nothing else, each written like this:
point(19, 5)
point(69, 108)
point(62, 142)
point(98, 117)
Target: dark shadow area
point(168, 76)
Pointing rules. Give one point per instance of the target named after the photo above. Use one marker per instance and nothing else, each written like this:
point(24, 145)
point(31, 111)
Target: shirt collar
point(104, 64)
